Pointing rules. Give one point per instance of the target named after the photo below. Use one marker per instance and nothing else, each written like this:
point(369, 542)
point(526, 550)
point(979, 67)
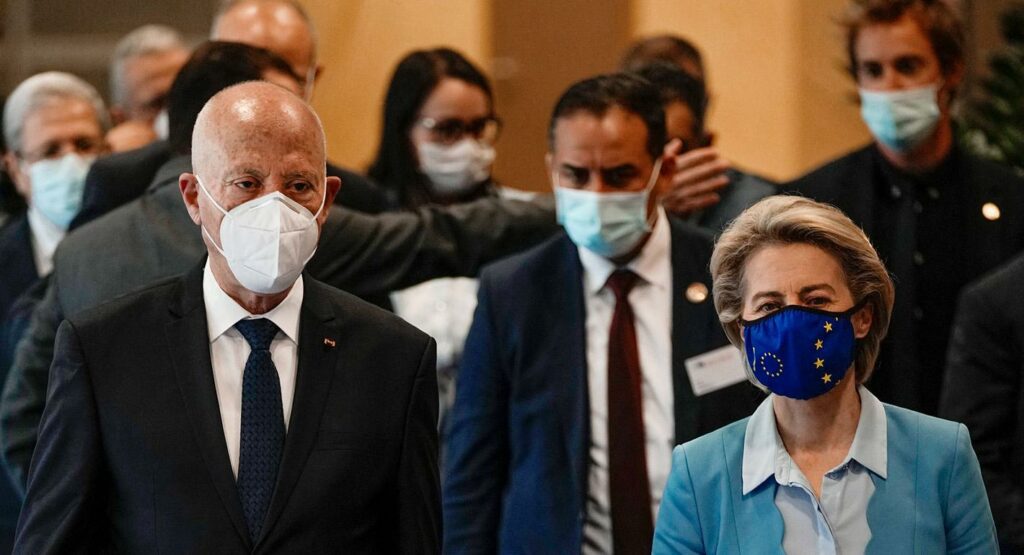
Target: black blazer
point(984, 389)
point(124, 176)
point(17, 263)
point(132, 458)
point(516, 461)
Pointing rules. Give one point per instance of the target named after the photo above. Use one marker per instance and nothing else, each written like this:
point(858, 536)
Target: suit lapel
point(689, 336)
point(190, 352)
point(319, 343)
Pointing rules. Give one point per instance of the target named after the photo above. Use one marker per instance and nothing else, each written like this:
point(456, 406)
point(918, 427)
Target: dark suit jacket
point(132, 456)
point(17, 263)
point(516, 456)
point(17, 274)
point(984, 389)
point(153, 238)
point(906, 231)
point(124, 176)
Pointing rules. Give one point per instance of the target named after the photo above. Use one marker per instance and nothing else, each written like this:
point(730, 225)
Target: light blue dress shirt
point(837, 523)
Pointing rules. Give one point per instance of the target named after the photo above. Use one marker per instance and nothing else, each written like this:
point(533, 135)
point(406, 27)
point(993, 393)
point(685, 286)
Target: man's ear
point(862, 320)
point(333, 185)
point(189, 186)
point(548, 161)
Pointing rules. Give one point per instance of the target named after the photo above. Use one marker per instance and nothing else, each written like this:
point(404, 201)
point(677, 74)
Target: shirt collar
point(653, 264)
point(763, 449)
point(222, 312)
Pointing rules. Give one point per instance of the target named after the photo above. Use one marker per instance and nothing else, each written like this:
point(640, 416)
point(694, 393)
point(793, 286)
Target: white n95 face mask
point(267, 241)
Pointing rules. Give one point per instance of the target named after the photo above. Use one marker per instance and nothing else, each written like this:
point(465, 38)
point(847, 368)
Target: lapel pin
point(697, 292)
point(991, 211)
point(328, 342)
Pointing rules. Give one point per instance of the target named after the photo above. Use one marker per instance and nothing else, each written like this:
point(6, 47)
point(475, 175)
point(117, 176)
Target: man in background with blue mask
point(53, 126)
point(574, 385)
point(938, 216)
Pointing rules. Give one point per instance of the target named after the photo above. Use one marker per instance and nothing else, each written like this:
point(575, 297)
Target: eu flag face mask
point(901, 120)
point(800, 352)
point(267, 241)
point(58, 186)
point(607, 224)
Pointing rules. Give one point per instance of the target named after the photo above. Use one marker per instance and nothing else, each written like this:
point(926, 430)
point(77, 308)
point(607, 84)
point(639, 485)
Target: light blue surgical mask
point(607, 224)
point(901, 120)
point(58, 186)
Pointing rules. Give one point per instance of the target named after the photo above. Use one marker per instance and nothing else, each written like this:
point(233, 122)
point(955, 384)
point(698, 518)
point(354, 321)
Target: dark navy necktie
point(262, 433)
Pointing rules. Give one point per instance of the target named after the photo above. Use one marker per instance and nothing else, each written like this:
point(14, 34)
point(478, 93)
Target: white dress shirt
point(229, 351)
point(46, 235)
point(837, 522)
point(651, 300)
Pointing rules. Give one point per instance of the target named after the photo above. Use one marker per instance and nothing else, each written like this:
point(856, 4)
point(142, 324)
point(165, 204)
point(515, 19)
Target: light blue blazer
point(933, 500)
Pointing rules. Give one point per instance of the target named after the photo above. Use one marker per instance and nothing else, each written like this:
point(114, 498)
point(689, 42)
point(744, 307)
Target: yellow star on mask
point(818, 345)
point(827, 378)
point(828, 327)
point(819, 363)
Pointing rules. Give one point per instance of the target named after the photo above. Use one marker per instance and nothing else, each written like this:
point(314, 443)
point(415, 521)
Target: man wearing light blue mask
point(938, 216)
point(574, 381)
point(53, 127)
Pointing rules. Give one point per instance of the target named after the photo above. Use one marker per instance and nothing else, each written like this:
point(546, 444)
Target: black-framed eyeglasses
point(448, 131)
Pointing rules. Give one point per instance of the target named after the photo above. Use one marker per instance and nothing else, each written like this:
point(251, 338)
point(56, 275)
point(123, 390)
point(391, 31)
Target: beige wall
point(361, 41)
point(780, 98)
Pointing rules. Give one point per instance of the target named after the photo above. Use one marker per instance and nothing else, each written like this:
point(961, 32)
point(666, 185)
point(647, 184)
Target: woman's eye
point(818, 301)
point(767, 308)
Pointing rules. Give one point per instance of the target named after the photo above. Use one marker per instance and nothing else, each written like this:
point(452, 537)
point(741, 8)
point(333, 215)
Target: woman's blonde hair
point(781, 220)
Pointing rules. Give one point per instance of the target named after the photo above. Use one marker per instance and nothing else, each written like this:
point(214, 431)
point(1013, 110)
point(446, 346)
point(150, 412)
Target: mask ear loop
point(219, 207)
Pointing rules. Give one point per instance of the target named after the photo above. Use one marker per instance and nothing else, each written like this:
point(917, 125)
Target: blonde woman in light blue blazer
point(821, 466)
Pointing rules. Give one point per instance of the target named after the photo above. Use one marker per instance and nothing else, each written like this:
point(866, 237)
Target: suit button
point(918, 313)
point(933, 193)
point(895, 192)
point(918, 258)
point(918, 208)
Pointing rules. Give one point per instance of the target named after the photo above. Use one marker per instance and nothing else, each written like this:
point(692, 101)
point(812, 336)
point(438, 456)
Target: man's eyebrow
point(247, 170)
point(302, 174)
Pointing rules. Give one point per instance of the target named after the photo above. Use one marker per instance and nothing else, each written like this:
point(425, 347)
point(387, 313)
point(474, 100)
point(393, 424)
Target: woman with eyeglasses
point(437, 146)
point(822, 466)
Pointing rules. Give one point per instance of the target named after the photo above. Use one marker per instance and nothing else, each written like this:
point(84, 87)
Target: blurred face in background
point(453, 137)
point(147, 79)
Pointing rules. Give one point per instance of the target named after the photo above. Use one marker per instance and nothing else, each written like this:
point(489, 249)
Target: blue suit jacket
point(517, 451)
point(933, 500)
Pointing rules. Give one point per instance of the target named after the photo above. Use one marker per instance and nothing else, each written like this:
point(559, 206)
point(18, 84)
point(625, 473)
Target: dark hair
point(213, 66)
point(395, 167)
point(665, 48)
point(597, 95)
point(938, 20)
point(675, 85)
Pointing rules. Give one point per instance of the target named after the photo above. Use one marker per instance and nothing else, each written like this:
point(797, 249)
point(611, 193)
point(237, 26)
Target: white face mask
point(455, 168)
point(58, 186)
point(267, 241)
point(901, 120)
point(162, 125)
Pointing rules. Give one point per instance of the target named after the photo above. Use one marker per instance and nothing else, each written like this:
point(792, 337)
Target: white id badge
point(715, 370)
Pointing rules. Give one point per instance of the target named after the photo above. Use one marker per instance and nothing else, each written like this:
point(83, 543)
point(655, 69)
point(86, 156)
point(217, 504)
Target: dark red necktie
point(632, 524)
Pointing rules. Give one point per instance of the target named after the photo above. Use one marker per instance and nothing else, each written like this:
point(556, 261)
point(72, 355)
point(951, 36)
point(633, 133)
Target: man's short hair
point(144, 41)
point(675, 85)
point(597, 95)
point(938, 19)
point(666, 48)
point(43, 89)
point(213, 67)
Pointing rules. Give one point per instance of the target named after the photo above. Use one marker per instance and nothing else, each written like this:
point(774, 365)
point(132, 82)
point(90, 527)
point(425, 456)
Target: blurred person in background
point(282, 27)
point(53, 128)
point(437, 146)
point(685, 101)
point(940, 217)
point(142, 68)
point(708, 189)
